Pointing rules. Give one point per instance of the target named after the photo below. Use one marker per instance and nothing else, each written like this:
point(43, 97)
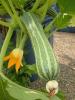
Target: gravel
point(64, 48)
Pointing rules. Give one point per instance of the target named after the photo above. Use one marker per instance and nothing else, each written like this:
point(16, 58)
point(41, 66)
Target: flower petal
point(11, 63)
point(6, 58)
point(18, 64)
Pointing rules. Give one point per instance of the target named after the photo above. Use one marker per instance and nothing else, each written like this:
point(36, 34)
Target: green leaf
point(61, 95)
point(72, 21)
point(62, 21)
point(28, 70)
point(54, 98)
point(67, 6)
point(46, 64)
point(12, 91)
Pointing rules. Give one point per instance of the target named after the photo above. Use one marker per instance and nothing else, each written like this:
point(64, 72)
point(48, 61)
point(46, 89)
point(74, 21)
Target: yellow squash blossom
point(15, 58)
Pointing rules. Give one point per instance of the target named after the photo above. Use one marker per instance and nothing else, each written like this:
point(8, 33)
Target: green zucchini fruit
point(46, 64)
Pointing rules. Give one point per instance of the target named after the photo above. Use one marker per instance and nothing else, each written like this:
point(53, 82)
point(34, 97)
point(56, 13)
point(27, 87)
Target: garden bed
point(64, 46)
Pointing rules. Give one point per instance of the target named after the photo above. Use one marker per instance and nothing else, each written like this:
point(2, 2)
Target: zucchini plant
point(26, 18)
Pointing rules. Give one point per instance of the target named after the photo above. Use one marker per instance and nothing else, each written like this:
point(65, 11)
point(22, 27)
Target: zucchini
point(46, 64)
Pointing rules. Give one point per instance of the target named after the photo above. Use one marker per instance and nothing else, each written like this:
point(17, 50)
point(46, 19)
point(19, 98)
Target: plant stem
point(20, 24)
point(35, 6)
point(17, 18)
point(18, 38)
point(5, 45)
point(4, 23)
point(22, 43)
point(15, 15)
point(43, 10)
point(6, 7)
point(50, 25)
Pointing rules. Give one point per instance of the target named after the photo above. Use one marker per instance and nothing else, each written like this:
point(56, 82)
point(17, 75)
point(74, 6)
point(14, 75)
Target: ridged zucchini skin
point(46, 64)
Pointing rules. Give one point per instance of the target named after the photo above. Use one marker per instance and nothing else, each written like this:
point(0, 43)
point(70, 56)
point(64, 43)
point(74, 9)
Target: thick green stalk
point(43, 10)
point(22, 43)
point(15, 15)
point(6, 7)
point(17, 18)
point(18, 37)
point(35, 6)
point(4, 23)
point(5, 45)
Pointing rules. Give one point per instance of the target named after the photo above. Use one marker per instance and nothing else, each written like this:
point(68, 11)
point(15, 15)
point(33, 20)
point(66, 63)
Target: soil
point(64, 47)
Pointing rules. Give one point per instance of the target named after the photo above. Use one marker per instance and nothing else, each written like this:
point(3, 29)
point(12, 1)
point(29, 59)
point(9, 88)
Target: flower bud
point(52, 87)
